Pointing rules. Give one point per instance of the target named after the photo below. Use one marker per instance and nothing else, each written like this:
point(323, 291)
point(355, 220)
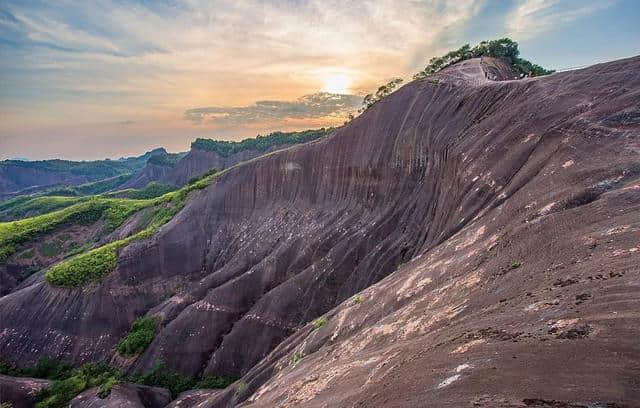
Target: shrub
point(516, 265)
point(296, 358)
point(85, 267)
point(152, 190)
point(504, 48)
point(358, 299)
point(74, 381)
point(319, 322)
point(382, 92)
point(97, 263)
point(160, 376)
point(241, 387)
point(214, 381)
point(259, 143)
point(167, 159)
point(105, 388)
point(142, 332)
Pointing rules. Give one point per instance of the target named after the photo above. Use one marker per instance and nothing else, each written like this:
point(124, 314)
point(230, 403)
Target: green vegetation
point(33, 206)
point(319, 322)
point(95, 264)
point(86, 267)
point(381, 93)
point(99, 169)
point(214, 381)
point(358, 299)
point(194, 180)
point(142, 332)
point(296, 358)
point(70, 381)
point(15, 233)
point(161, 376)
point(152, 190)
point(241, 387)
point(105, 387)
point(74, 382)
point(259, 143)
point(504, 48)
point(168, 160)
point(516, 265)
point(97, 187)
point(50, 249)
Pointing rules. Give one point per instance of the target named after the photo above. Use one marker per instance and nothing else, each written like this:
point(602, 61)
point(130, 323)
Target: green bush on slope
point(504, 48)
point(38, 205)
point(142, 332)
point(93, 265)
point(70, 381)
point(114, 212)
point(152, 190)
point(259, 143)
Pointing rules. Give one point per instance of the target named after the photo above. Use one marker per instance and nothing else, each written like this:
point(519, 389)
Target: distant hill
point(23, 177)
point(207, 154)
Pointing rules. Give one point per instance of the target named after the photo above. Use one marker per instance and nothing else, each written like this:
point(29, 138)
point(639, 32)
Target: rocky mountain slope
point(207, 154)
point(467, 241)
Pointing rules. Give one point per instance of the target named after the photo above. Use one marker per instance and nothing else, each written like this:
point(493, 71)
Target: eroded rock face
point(20, 392)
point(485, 197)
point(124, 396)
point(193, 399)
point(150, 172)
point(196, 163)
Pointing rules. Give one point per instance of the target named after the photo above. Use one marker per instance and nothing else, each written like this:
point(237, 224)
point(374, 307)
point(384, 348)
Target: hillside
point(207, 154)
point(25, 177)
point(466, 241)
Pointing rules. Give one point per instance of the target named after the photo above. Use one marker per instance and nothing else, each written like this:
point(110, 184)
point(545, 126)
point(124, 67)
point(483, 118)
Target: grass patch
point(93, 265)
point(105, 387)
point(214, 381)
point(142, 332)
point(319, 322)
point(358, 299)
point(152, 190)
point(70, 381)
point(33, 206)
point(75, 381)
point(241, 387)
point(161, 376)
point(296, 358)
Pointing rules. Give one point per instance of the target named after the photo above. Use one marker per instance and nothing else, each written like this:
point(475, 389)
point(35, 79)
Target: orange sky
point(84, 80)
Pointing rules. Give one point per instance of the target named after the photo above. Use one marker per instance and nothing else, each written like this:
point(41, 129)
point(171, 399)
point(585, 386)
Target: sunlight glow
point(337, 84)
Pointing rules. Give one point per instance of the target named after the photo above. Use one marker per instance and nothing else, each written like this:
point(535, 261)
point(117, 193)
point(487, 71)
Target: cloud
point(532, 17)
point(318, 105)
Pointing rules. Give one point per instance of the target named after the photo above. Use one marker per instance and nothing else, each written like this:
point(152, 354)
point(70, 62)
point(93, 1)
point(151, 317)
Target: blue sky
point(87, 80)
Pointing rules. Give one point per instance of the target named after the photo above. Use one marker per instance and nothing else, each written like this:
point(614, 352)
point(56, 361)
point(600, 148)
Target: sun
point(336, 84)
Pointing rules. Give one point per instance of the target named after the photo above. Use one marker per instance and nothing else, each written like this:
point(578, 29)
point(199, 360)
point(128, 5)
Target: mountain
point(464, 242)
point(207, 154)
point(23, 177)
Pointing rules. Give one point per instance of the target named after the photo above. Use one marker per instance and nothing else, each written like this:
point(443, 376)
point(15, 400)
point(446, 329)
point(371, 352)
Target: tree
point(503, 48)
point(381, 93)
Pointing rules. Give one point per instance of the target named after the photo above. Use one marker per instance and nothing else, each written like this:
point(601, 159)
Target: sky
point(88, 80)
